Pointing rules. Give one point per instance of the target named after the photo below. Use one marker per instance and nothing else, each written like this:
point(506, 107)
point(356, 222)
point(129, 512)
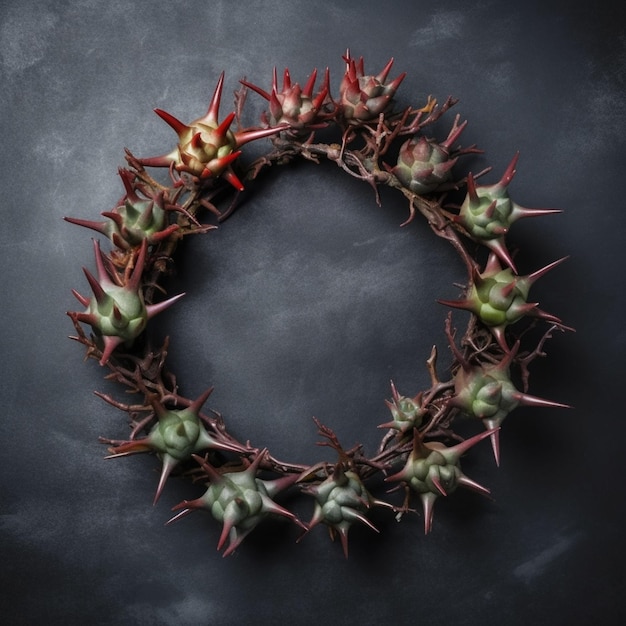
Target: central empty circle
point(306, 302)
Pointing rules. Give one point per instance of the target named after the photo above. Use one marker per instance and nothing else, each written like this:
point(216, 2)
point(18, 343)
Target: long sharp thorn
point(307, 91)
point(544, 270)
point(507, 177)
point(84, 301)
point(382, 76)
point(222, 129)
point(214, 106)
point(175, 123)
point(527, 400)
point(169, 463)
point(286, 80)
point(473, 485)
point(197, 404)
point(258, 90)
point(153, 309)
point(135, 278)
point(96, 287)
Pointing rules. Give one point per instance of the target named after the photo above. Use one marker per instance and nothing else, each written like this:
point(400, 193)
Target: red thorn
point(196, 405)
point(394, 84)
point(110, 343)
point(103, 274)
point(154, 309)
point(250, 135)
point(180, 515)
point(471, 189)
point(495, 438)
point(169, 463)
point(473, 485)
point(84, 301)
point(196, 141)
point(498, 333)
point(394, 392)
point(286, 80)
point(231, 177)
point(115, 217)
point(428, 501)
point(520, 212)
point(527, 400)
point(455, 133)
point(461, 448)
point(435, 481)
point(258, 90)
point(382, 76)
point(307, 91)
point(222, 129)
point(319, 99)
point(491, 209)
point(128, 179)
point(457, 304)
point(498, 247)
point(343, 537)
point(507, 177)
point(544, 270)
point(213, 474)
point(117, 314)
point(214, 106)
point(135, 278)
point(99, 227)
point(86, 318)
point(169, 119)
point(99, 293)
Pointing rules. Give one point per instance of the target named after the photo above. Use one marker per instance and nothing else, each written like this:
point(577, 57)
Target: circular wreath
point(420, 452)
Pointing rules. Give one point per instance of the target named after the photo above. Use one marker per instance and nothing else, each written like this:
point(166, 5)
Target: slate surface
point(306, 303)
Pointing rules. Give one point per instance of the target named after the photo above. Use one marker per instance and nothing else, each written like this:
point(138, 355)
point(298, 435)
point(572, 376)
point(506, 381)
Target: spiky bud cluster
point(239, 501)
point(177, 435)
point(117, 311)
point(340, 501)
point(134, 219)
point(293, 105)
point(425, 165)
point(488, 212)
point(206, 148)
point(433, 470)
point(363, 97)
point(498, 297)
point(407, 413)
point(486, 392)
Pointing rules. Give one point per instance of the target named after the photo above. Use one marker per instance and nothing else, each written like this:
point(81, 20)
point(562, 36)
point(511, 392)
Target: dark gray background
point(306, 303)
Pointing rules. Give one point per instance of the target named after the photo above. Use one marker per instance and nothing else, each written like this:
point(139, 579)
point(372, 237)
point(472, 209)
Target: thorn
point(169, 462)
point(382, 76)
point(531, 278)
point(169, 119)
point(214, 106)
point(135, 278)
point(307, 92)
point(222, 129)
point(84, 301)
point(196, 405)
point(154, 309)
point(256, 89)
point(99, 293)
point(507, 177)
point(232, 178)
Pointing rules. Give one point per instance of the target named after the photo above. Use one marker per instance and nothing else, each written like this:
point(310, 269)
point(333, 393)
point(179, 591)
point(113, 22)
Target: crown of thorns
point(420, 453)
